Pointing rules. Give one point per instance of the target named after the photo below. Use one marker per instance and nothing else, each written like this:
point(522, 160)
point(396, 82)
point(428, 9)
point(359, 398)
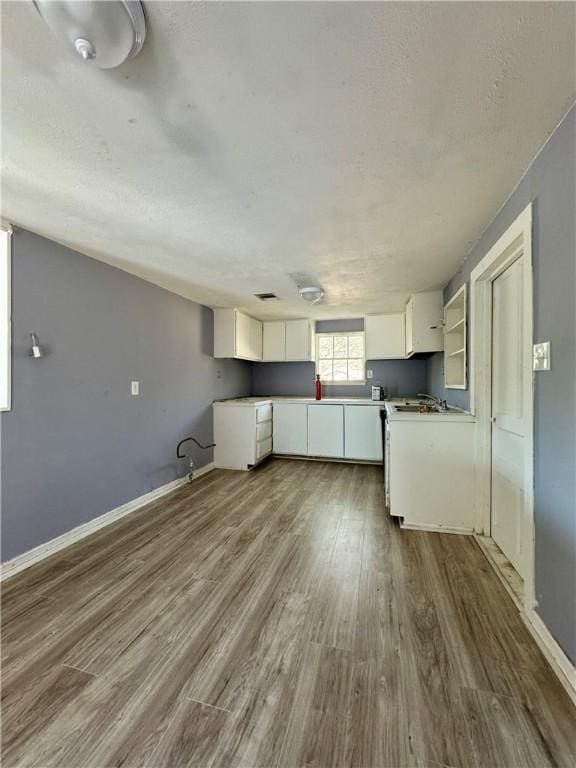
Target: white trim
point(6, 318)
point(509, 577)
point(436, 528)
point(560, 663)
point(33, 556)
point(555, 656)
point(516, 242)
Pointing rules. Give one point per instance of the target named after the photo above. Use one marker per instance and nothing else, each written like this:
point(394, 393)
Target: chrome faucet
point(441, 405)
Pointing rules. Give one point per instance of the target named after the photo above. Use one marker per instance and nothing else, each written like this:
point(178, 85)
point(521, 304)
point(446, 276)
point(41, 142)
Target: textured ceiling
point(367, 144)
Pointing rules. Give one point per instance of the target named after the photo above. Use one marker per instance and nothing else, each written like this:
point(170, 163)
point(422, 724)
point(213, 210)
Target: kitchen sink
point(425, 409)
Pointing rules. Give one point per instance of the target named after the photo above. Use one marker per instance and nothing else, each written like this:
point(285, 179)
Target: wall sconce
point(36, 350)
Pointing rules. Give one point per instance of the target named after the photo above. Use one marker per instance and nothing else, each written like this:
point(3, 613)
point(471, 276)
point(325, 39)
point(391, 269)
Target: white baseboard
point(555, 656)
point(41, 552)
point(436, 528)
point(560, 663)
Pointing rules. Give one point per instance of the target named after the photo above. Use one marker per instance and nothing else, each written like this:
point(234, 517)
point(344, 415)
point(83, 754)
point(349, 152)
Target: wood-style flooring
point(274, 618)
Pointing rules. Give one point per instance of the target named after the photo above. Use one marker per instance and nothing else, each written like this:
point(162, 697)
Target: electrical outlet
point(369, 373)
point(135, 388)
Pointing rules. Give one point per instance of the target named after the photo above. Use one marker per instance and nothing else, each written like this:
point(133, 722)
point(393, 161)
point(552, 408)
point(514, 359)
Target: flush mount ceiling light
point(103, 33)
point(311, 294)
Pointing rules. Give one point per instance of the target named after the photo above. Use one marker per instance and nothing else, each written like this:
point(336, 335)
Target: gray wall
point(75, 443)
point(550, 184)
point(339, 326)
point(400, 377)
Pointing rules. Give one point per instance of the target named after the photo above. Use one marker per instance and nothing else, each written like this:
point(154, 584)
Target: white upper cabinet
point(424, 323)
point(288, 340)
point(255, 339)
point(243, 336)
point(274, 340)
point(237, 335)
point(299, 340)
point(385, 336)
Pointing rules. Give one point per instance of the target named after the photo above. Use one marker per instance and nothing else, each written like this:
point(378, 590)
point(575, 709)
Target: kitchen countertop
point(252, 401)
point(452, 414)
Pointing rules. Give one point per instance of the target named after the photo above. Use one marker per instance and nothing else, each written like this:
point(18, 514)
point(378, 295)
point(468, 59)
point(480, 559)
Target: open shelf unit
point(455, 341)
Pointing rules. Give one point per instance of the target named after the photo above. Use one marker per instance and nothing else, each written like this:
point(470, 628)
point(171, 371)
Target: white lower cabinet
point(362, 433)
point(331, 431)
point(430, 474)
point(245, 433)
point(290, 428)
point(326, 430)
point(242, 433)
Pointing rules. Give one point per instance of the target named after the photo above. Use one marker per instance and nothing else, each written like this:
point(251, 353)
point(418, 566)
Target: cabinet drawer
point(264, 412)
point(263, 447)
point(263, 430)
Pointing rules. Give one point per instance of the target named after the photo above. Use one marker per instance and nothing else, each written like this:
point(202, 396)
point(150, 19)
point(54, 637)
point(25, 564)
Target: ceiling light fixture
point(312, 294)
point(104, 34)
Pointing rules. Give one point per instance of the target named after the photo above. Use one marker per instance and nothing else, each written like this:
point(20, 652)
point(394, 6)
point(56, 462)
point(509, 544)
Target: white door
point(326, 430)
point(290, 428)
point(297, 340)
point(507, 502)
point(274, 341)
point(362, 432)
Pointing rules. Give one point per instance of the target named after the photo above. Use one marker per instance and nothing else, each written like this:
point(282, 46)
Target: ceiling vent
point(267, 296)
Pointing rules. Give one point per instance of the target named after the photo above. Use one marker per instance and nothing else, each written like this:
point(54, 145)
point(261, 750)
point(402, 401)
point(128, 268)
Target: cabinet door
point(274, 341)
point(290, 430)
point(255, 339)
point(243, 336)
point(224, 333)
point(362, 432)
point(297, 340)
point(426, 331)
point(385, 336)
point(326, 430)
point(410, 327)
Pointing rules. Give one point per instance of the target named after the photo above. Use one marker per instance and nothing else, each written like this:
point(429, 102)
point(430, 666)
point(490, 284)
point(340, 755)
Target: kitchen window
point(340, 357)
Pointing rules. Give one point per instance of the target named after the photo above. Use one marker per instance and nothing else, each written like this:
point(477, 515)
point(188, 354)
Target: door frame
point(515, 243)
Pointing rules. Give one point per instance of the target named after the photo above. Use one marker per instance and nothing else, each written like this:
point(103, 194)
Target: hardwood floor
point(274, 618)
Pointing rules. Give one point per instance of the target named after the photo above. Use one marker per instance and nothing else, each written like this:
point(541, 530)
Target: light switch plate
point(135, 388)
point(369, 373)
point(542, 356)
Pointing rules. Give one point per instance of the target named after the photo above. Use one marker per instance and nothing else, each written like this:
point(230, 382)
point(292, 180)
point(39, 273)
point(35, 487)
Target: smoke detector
point(103, 34)
point(311, 293)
